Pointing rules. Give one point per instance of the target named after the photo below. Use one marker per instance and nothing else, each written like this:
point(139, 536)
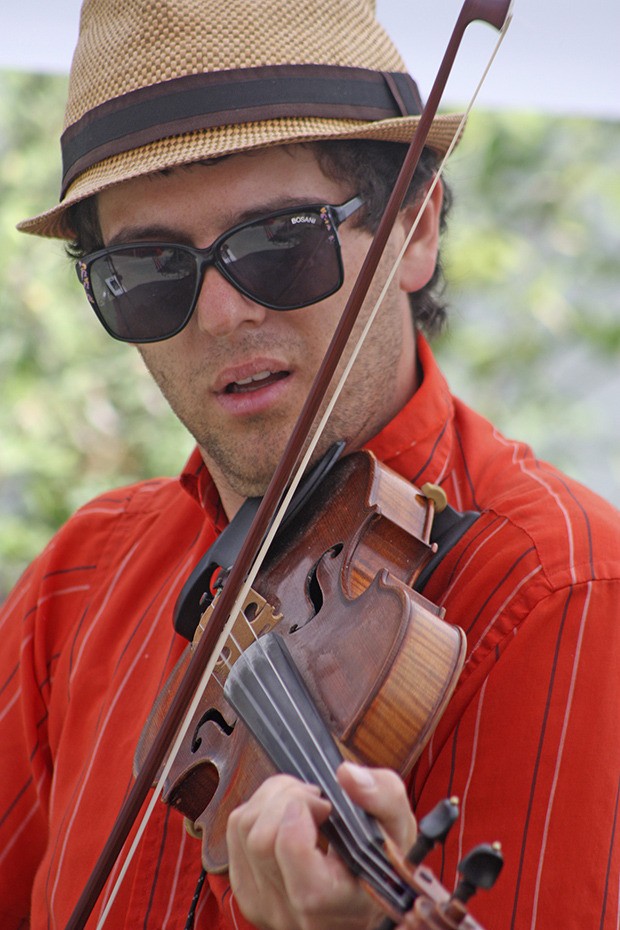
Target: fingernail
point(361, 775)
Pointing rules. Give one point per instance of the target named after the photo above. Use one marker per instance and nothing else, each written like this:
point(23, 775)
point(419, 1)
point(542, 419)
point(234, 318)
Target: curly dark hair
point(370, 168)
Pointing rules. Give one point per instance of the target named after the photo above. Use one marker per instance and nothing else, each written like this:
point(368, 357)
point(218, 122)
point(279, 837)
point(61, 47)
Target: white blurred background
point(559, 56)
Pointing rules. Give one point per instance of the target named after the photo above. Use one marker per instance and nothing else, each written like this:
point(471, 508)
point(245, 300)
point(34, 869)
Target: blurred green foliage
point(534, 339)
point(532, 260)
point(79, 413)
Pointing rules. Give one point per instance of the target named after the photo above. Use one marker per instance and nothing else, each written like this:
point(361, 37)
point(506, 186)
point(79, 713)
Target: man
point(189, 167)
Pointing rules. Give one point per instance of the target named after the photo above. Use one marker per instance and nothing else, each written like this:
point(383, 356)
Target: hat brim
point(201, 145)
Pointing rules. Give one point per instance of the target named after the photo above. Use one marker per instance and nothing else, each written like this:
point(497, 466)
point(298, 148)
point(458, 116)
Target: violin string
point(341, 802)
point(329, 785)
point(275, 524)
point(223, 657)
point(332, 790)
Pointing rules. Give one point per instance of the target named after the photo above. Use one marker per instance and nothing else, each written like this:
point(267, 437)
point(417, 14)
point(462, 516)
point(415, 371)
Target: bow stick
point(496, 13)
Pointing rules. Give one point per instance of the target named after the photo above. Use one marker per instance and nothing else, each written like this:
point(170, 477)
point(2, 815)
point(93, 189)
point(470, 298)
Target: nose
point(221, 308)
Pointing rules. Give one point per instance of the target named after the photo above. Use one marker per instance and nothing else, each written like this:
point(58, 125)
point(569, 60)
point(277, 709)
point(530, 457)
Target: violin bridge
point(256, 617)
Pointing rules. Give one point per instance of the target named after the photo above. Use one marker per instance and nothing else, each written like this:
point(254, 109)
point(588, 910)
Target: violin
point(347, 572)
point(335, 655)
point(333, 610)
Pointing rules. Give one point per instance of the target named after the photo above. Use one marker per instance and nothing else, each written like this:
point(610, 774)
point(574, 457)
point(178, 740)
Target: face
point(238, 374)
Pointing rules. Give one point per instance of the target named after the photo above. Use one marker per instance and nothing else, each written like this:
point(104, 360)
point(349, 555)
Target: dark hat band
point(224, 98)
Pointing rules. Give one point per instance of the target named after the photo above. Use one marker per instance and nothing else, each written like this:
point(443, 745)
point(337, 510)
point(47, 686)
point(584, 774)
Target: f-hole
point(313, 588)
point(210, 716)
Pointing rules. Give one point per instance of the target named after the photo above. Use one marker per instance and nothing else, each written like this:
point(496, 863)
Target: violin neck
point(266, 690)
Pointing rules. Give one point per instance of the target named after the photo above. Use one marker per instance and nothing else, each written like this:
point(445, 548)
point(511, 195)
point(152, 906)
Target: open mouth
point(255, 382)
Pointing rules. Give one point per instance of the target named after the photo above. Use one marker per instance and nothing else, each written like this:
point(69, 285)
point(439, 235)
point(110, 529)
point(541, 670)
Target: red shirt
point(529, 740)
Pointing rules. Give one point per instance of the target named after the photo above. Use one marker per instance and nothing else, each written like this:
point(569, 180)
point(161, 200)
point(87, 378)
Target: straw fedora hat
point(158, 84)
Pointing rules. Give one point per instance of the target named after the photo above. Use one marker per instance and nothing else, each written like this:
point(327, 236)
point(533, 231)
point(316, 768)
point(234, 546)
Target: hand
point(282, 878)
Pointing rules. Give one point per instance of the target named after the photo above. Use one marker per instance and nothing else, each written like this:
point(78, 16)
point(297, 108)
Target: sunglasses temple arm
point(345, 210)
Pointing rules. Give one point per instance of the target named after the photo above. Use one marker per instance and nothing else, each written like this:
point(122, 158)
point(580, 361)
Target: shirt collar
point(198, 483)
point(418, 443)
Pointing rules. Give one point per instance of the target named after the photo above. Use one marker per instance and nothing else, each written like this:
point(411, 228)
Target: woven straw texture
point(128, 44)
point(148, 40)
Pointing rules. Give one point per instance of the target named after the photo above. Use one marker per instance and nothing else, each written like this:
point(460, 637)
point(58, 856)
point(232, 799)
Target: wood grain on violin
point(376, 656)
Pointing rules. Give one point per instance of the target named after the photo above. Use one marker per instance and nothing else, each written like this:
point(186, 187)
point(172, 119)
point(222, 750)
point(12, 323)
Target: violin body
point(377, 658)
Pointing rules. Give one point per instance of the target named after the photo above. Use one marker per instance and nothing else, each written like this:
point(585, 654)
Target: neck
point(231, 499)
point(407, 384)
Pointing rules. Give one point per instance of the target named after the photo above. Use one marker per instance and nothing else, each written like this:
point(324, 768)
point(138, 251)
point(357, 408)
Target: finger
point(281, 878)
point(319, 887)
point(383, 794)
point(253, 828)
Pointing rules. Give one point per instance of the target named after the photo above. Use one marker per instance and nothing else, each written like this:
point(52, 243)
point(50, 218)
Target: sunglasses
point(147, 291)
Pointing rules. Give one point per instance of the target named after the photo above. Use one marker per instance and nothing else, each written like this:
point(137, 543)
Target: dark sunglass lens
point(286, 261)
point(144, 293)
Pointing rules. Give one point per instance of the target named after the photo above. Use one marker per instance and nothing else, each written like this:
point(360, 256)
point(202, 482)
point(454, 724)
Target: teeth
point(258, 377)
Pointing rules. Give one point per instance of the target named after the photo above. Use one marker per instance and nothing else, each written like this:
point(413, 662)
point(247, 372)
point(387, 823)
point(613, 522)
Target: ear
point(418, 263)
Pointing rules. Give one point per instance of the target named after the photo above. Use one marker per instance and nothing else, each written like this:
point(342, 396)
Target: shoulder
point(121, 512)
point(125, 526)
point(544, 547)
point(573, 532)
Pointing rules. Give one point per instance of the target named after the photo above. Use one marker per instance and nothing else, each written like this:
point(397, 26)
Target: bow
point(497, 13)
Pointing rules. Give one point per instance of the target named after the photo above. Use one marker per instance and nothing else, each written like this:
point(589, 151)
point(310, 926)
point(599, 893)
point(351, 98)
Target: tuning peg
point(433, 828)
point(479, 869)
